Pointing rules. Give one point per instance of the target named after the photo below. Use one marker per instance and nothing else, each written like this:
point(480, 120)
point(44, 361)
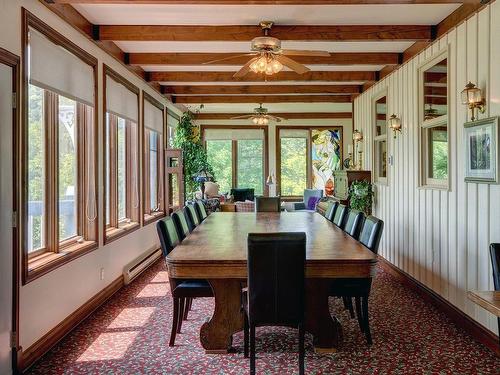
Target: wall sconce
point(357, 136)
point(473, 98)
point(394, 124)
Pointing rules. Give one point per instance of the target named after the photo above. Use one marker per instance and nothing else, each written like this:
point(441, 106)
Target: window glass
point(67, 169)
point(435, 90)
point(108, 169)
point(36, 170)
point(326, 157)
point(381, 116)
point(174, 189)
point(438, 150)
point(381, 149)
point(250, 165)
point(121, 168)
point(220, 157)
point(153, 170)
point(293, 166)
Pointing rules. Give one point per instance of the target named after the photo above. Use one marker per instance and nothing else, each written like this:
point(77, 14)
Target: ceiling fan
point(269, 58)
point(260, 116)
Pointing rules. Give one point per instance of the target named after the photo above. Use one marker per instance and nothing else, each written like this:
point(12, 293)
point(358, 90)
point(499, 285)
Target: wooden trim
point(245, 33)
point(197, 58)
point(457, 316)
point(29, 356)
point(252, 2)
point(286, 116)
point(263, 99)
point(260, 89)
point(153, 101)
point(107, 71)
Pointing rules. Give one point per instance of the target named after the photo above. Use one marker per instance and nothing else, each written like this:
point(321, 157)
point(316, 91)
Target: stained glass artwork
point(326, 147)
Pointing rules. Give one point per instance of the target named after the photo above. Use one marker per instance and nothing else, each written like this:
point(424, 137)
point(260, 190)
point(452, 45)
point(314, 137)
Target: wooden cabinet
point(343, 180)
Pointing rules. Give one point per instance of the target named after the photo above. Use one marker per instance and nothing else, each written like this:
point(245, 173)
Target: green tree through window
point(219, 155)
point(293, 166)
point(250, 165)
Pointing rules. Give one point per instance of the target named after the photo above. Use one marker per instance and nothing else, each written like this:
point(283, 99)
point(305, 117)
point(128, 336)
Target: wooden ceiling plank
point(260, 89)
point(263, 99)
point(253, 77)
point(254, 2)
point(288, 115)
point(248, 32)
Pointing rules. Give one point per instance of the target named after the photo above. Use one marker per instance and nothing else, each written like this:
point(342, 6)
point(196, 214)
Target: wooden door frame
point(13, 61)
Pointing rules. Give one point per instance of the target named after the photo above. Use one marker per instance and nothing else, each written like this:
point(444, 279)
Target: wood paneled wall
point(440, 237)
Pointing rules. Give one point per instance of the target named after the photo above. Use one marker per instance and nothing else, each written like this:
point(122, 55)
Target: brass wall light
point(357, 137)
point(394, 124)
point(473, 98)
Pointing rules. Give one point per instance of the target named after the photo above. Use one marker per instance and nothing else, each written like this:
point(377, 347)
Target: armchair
point(308, 193)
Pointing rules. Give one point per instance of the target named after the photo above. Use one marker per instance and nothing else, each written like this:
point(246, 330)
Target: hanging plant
point(361, 196)
point(187, 138)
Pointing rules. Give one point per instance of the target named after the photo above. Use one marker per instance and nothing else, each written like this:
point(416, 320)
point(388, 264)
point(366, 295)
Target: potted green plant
point(361, 196)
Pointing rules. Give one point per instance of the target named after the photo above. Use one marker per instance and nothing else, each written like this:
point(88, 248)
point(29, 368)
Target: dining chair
point(353, 223)
point(359, 289)
point(330, 211)
point(275, 292)
point(200, 210)
point(181, 224)
point(183, 291)
point(267, 204)
point(340, 215)
point(191, 216)
point(495, 262)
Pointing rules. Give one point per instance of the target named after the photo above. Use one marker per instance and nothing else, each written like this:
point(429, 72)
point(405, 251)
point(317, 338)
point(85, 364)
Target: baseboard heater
point(139, 264)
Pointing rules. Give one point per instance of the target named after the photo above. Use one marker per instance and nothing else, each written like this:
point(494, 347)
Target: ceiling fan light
point(269, 70)
point(255, 120)
point(262, 64)
point(265, 121)
point(277, 66)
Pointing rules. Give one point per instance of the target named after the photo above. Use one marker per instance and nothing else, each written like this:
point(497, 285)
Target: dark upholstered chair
point(275, 293)
point(340, 216)
point(242, 195)
point(267, 204)
point(330, 211)
point(360, 288)
point(191, 216)
point(353, 223)
point(181, 224)
point(200, 210)
point(183, 291)
point(308, 193)
point(495, 262)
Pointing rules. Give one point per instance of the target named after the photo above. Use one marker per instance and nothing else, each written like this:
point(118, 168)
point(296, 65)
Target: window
point(154, 202)
point(59, 167)
point(293, 157)
point(172, 122)
point(434, 123)
point(121, 151)
point(238, 157)
point(380, 138)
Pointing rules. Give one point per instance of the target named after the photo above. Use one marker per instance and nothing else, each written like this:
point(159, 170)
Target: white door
point(6, 204)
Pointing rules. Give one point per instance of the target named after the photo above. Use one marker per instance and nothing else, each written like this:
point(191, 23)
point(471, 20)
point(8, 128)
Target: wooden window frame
point(265, 143)
point(56, 253)
point(149, 216)
point(426, 182)
point(118, 228)
point(309, 128)
point(378, 139)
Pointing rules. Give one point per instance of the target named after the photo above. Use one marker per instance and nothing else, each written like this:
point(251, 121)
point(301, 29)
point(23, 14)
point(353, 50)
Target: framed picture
point(481, 148)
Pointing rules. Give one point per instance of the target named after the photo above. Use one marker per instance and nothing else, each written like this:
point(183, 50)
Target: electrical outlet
point(102, 273)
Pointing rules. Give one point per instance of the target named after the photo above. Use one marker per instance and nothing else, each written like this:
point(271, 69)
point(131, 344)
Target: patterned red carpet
point(129, 335)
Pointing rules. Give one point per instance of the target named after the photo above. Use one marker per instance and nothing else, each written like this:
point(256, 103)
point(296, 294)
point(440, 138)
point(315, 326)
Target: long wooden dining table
point(217, 251)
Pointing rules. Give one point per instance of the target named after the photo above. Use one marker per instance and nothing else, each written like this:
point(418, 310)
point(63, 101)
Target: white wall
point(346, 131)
point(48, 300)
point(440, 237)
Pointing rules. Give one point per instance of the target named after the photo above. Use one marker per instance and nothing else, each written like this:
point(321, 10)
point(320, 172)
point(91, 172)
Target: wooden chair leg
point(181, 314)
point(359, 314)
point(190, 303)
point(301, 349)
point(174, 322)
point(186, 309)
point(366, 319)
point(252, 349)
point(350, 307)
point(245, 336)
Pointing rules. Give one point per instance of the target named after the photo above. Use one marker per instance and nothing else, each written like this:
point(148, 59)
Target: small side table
point(227, 207)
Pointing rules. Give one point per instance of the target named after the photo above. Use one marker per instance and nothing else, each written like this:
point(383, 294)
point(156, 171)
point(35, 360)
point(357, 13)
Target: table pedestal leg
point(216, 334)
point(326, 329)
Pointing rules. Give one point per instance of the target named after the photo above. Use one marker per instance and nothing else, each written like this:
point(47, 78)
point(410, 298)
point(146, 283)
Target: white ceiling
point(234, 68)
point(239, 83)
point(274, 107)
point(178, 14)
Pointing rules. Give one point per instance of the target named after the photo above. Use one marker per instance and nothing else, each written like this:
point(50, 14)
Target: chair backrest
point(167, 232)
point(267, 204)
point(191, 216)
point(276, 268)
point(308, 193)
point(495, 262)
point(181, 224)
point(371, 233)
point(354, 222)
point(200, 210)
point(242, 195)
point(340, 215)
point(330, 211)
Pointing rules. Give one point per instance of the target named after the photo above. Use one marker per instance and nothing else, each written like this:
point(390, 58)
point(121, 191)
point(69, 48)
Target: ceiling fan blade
point(294, 65)
point(229, 58)
point(241, 117)
point(276, 118)
point(245, 69)
point(298, 52)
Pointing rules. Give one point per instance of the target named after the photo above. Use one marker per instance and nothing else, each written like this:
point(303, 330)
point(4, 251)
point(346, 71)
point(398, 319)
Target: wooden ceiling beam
point(246, 33)
point(254, 2)
point(253, 77)
point(263, 99)
point(373, 58)
point(260, 89)
point(288, 116)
